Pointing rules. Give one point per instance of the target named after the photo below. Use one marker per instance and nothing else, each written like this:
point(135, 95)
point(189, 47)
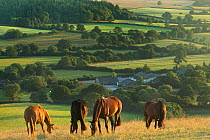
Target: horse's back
point(35, 113)
point(79, 109)
point(113, 104)
point(149, 109)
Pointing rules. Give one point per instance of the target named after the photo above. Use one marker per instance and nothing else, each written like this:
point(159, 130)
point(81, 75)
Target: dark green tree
point(11, 91)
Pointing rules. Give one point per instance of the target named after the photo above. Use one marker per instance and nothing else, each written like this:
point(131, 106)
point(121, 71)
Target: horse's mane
point(162, 111)
point(97, 108)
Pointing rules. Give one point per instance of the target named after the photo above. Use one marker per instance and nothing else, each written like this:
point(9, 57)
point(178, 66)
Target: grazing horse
point(37, 114)
point(156, 111)
point(78, 112)
point(105, 108)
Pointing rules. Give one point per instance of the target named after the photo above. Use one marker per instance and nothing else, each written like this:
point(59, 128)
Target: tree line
point(32, 13)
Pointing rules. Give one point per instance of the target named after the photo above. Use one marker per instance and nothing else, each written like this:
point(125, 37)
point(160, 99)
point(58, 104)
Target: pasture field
point(202, 35)
point(45, 41)
point(142, 3)
point(73, 74)
point(3, 30)
point(107, 27)
point(28, 60)
point(133, 127)
point(157, 12)
point(155, 63)
point(167, 42)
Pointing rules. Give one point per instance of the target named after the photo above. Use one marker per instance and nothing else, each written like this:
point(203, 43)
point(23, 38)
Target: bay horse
point(157, 111)
point(105, 108)
point(79, 111)
point(37, 115)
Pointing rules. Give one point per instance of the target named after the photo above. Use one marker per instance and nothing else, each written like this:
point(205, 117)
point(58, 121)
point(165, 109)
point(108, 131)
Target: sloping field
point(155, 63)
point(30, 60)
point(166, 42)
point(107, 27)
point(3, 30)
point(133, 127)
point(150, 3)
point(202, 35)
point(46, 41)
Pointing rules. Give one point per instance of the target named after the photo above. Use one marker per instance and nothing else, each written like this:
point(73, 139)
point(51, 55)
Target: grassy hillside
point(143, 3)
point(29, 60)
point(156, 63)
point(73, 74)
point(46, 41)
point(3, 30)
point(133, 127)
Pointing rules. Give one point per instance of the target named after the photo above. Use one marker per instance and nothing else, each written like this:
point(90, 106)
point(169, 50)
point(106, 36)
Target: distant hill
point(202, 3)
point(30, 13)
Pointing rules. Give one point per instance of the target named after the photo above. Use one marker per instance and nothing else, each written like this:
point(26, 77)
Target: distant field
point(155, 63)
point(30, 60)
point(166, 42)
point(107, 27)
point(157, 12)
point(46, 41)
point(202, 35)
point(3, 30)
point(73, 74)
point(150, 3)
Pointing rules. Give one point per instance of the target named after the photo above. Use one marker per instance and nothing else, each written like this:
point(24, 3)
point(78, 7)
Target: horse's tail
point(162, 110)
point(83, 114)
point(119, 121)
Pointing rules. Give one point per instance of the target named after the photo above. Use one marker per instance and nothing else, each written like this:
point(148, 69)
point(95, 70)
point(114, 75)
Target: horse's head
point(50, 128)
point(93, 127)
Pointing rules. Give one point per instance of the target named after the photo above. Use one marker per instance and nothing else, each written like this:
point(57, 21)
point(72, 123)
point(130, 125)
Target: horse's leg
point(76, 126)
point(42, 125)
point(149, 122)
point(106, 124)
point(112, 123)
point(72, 127)
point(99, 126)
point(32, 125)
point(155, 123)
point(27, 127)
point(83, 126)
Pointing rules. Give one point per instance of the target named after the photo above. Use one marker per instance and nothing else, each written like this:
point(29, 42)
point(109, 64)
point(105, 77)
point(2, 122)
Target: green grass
point(28, 60)
point(3, 30)
point(107, 27)
point(46, 41)
point(73, 74)
point(155, 63)
point(202, 35)
point(167, 42)
point(157, 12)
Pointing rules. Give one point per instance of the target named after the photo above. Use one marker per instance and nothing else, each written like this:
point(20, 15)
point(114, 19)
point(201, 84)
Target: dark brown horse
point(78, 112)
point(156, 111)
point(105, 108)
point(37, 114)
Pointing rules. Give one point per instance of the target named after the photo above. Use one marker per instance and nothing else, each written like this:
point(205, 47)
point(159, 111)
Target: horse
point(156, 111)
point(78, 112)
point(37, 115)
point(105, 108)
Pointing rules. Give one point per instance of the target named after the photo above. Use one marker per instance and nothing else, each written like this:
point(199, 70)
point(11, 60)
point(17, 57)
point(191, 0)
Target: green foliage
point(97, 88)
point(34, 83)
point(60, 94)
point(11, 91)
point(174, 110)
point(39, 96)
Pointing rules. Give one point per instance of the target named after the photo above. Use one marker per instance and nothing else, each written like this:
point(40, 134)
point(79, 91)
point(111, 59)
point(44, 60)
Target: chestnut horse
point(156, 111)
point(78, 112)
point(105, 108)
point(37, 114)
